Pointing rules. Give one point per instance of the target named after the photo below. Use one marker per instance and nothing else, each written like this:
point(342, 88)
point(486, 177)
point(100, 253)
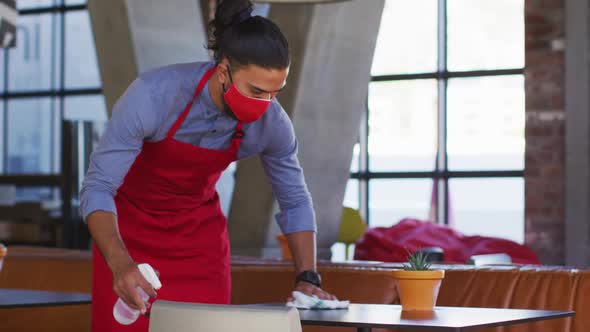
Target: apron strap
point(237, 138)
point(188, 107)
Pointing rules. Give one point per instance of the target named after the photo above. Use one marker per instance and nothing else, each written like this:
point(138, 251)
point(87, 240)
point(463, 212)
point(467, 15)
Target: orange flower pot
point(3, 252)
point(286, 252)
point(418, 290)
point(418, 314)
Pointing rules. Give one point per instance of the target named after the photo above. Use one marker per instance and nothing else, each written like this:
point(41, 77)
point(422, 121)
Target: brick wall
point(545, 129)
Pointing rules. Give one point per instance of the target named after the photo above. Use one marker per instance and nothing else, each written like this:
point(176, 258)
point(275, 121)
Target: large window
point(50, 77)
point(443, 136)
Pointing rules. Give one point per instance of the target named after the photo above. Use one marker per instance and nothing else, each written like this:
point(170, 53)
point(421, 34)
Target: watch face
point(311, 277)
point(315, 277)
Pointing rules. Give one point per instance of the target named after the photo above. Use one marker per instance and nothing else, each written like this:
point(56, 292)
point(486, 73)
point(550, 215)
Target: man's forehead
point(265, 79)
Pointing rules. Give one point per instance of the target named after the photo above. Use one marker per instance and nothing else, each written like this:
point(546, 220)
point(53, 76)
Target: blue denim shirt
point(147, 110)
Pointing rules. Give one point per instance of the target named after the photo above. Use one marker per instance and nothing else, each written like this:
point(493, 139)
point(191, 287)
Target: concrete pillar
point(577, 149)
point(251, 216)
point(326, 96)
point(132, 36)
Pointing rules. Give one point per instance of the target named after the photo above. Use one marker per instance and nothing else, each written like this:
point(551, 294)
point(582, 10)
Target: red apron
point(169, 216)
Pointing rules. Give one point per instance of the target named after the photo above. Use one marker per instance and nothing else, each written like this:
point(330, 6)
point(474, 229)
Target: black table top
point(441, 319)
point(19, 298)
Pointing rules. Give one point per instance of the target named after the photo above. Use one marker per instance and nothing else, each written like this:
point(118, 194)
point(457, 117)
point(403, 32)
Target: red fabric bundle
point(391, 244)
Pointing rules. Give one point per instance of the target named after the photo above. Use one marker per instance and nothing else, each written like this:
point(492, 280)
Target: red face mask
point(246, 109)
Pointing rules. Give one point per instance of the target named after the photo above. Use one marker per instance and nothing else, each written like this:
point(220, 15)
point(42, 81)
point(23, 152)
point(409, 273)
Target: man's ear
point(223, 72)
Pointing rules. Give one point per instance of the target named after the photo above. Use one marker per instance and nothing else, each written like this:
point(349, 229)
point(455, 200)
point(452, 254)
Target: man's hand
point(309, 289)
point(126, 275)
point(126, 279)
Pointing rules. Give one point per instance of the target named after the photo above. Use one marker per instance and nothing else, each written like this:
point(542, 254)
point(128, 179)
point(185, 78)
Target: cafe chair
point(352, 228)
point(169, 316)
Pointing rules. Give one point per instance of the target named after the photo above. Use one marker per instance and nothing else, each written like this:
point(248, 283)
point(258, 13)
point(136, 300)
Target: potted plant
point(417, 283)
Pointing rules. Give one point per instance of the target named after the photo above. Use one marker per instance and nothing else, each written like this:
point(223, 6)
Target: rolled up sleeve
point(280, 162)
point(133, 120)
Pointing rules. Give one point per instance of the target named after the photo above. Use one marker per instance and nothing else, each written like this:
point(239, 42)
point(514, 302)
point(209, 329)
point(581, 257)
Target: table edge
point(37, 305)
point(556, 314)
point(73, 302)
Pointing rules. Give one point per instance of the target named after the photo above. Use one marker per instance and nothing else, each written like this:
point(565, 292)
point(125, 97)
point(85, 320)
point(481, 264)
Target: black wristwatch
point(311, 277)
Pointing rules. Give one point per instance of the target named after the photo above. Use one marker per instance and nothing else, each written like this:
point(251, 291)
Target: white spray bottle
point(121, 311)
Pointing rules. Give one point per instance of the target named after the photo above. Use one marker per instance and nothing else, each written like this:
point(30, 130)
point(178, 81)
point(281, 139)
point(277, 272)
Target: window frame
point(441, 174)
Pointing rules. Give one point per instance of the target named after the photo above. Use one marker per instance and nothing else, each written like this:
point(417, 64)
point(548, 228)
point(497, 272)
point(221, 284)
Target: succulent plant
point(417, 261)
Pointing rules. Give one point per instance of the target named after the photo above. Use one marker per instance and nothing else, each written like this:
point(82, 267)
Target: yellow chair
point(352, 227)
